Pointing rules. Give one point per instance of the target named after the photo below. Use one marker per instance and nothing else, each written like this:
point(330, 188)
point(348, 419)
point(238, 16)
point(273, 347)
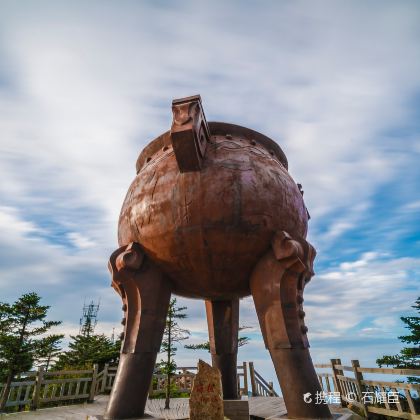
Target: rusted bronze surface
point(277, 285)
point(223, 325)
point(207, 229)
point(189, 133)
point(145, 293)
point(213, 214)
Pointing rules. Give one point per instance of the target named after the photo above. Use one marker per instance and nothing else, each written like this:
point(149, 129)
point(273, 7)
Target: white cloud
point(362, 262)
point(320, 91)
point(413, 206)
point(80, 240)
point(11, 222)
point(369, 290)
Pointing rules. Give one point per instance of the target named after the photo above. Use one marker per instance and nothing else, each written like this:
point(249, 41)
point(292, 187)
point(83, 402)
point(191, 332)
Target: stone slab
point(236, 409)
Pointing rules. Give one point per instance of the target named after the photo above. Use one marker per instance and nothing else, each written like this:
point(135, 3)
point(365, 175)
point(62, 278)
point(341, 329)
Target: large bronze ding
point(213, 214)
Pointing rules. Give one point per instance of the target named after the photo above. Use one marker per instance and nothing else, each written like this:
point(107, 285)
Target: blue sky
point(85, 86)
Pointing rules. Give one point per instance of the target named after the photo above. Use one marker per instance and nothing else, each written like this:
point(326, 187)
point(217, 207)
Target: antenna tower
point(89, 320)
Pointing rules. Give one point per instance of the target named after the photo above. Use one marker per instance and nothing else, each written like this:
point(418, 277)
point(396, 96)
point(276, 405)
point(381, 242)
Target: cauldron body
point(213, 213)
point(207, 229)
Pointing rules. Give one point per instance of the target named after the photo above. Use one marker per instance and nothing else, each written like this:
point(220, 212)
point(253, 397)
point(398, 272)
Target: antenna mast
point(89, 320)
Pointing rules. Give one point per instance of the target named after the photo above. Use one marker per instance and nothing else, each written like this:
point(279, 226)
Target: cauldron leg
point(223, 324)
point(145, 292)
point(277, 284)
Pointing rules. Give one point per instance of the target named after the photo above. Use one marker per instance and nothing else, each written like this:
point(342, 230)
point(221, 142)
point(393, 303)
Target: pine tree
point(409, 357)
point(206, 345)
point(84, 351)
point(173, 334)
point(88, 348)
point(49, 351)
point(19, 346)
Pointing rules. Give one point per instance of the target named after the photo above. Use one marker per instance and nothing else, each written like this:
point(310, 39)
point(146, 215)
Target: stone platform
point(260, 408)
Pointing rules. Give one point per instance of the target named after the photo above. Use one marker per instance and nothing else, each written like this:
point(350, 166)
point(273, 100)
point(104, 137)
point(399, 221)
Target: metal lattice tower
point(89, 320)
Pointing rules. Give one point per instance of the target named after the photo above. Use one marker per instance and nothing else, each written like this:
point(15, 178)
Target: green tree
point(206, 345)
point(88, 348)
point(409, 357)
point(20, 324)
point(49, 350)
point(173, 334)
point(84, 351)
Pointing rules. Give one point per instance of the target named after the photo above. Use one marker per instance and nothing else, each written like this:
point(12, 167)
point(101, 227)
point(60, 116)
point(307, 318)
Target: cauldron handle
point(189, 133)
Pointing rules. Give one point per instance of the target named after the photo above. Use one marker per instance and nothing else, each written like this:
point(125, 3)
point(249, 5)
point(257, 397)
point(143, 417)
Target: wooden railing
point(347, 385)
point(105, 379)
point(260, 387)
point(39, 388)
point(387, 398)
point(21, 390)
point(183, 380)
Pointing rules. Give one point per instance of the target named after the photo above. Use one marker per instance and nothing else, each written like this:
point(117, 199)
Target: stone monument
point(206, 401)
point(213, 214)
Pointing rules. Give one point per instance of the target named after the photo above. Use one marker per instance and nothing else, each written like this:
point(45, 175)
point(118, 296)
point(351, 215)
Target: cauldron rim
point(216, 128)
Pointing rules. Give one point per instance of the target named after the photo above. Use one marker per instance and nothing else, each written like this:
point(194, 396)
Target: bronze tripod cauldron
point(213, 214)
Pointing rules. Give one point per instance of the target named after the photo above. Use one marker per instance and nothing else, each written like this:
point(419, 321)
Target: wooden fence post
point(253, 382)
point(271, 388)
point(337, 386)
point(104, 379)
point(360, 388)
point(37, 389)
point(244, 368)
point(93, 385)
